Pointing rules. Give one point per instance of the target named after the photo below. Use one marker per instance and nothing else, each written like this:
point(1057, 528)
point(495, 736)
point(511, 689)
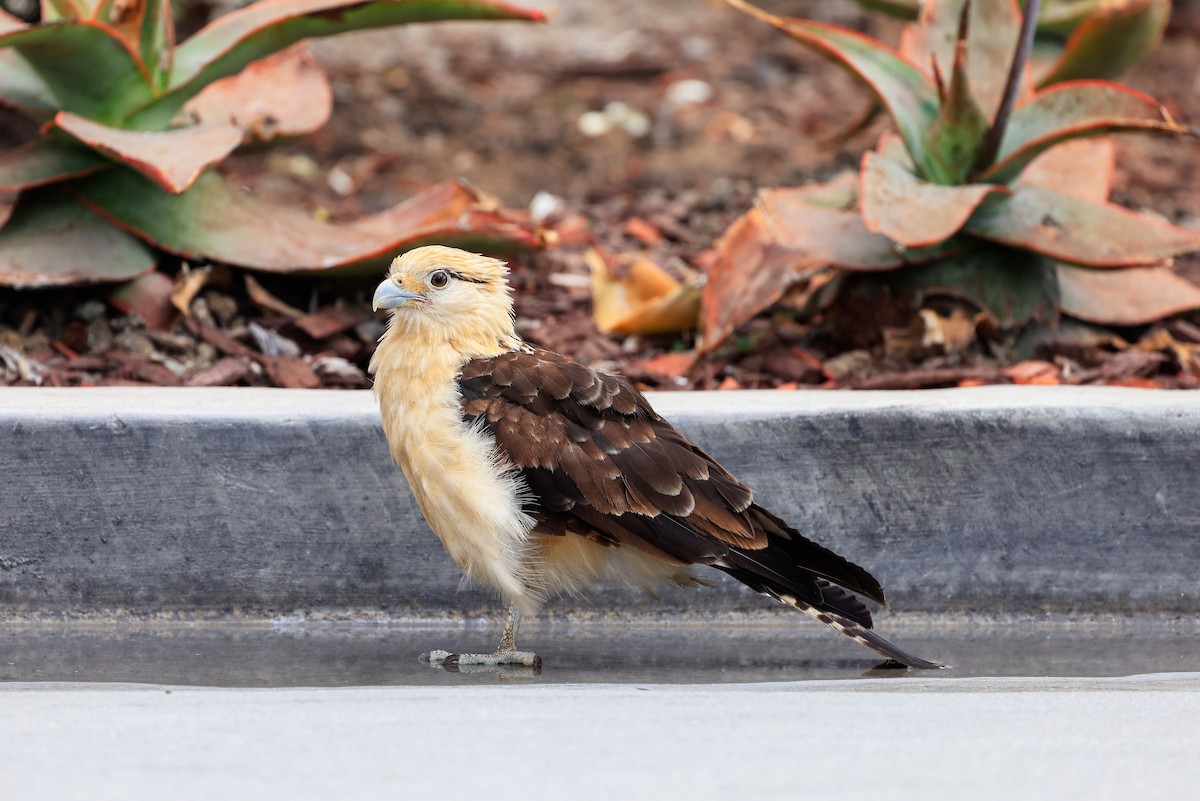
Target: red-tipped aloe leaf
point(1132, 296)
point(157, 42)
point(172, 159)
point(86, 66)
point(283, 95)
point(1111, 41)
point(789, 234)
point(45, 162)
point(53, 240)
point(910, 211)
point(991, 42)
point(1071, 110)
point(908, 95)
point(1009, 285)
point(216, 220)
point(229, 43)
point(1078, 231)
point(1060, 17)
point(1080, 167)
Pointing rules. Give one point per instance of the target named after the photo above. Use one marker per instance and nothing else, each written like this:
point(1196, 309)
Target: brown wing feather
point(600, 462)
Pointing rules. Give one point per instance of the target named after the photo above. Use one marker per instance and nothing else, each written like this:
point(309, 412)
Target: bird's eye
point(439, 278)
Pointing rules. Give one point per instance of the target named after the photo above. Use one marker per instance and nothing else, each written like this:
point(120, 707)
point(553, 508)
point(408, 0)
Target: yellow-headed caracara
point(541, 476)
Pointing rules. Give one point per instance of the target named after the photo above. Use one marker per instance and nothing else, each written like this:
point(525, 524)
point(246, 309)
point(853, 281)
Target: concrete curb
point(202, 502)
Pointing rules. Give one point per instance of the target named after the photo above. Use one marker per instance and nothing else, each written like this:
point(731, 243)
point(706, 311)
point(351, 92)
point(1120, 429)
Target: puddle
point(327, 655)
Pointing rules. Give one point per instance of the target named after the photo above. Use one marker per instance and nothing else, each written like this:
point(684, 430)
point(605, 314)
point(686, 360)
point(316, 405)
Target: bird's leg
point(505, 654)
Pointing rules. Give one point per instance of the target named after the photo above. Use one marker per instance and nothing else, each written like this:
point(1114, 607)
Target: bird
point(542, 476)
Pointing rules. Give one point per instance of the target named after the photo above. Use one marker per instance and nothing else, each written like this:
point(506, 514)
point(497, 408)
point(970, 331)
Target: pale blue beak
point(389, 296)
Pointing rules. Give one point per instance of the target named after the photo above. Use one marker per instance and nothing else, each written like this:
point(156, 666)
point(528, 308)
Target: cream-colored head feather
point(443, 297)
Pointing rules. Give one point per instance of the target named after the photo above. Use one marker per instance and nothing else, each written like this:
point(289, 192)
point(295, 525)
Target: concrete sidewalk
point(978, 739)
point(211, 503)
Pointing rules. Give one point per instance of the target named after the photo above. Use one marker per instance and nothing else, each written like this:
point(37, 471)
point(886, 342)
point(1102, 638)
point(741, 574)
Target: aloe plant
point(989, 189)
point(133, 123)
point(1075, 39)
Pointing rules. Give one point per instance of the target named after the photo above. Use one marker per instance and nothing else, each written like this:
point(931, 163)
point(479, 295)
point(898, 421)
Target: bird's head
point(449, 295)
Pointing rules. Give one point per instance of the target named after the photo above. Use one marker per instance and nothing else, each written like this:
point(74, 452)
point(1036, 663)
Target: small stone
point(89, 310)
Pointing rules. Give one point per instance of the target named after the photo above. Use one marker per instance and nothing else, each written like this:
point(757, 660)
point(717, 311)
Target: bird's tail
point(862, 635)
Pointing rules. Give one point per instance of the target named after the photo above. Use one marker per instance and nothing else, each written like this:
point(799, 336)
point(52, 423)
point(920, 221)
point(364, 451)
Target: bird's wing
point(601, 463)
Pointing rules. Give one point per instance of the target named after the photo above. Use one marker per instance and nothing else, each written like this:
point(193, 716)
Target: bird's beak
point(389, 296)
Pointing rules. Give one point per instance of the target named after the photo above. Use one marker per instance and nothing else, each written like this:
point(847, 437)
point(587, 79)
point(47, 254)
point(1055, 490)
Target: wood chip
point(139, 369)
point(291, 372)
point(644, 231)
point(224, 373)
point(327, 321)
point(226, 344)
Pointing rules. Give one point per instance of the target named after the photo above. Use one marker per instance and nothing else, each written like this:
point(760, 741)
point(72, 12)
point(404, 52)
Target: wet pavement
point(348, 655)
point(324, 711)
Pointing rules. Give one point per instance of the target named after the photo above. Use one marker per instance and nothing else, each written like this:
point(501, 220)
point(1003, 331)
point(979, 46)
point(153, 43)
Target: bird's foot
point(451, 661)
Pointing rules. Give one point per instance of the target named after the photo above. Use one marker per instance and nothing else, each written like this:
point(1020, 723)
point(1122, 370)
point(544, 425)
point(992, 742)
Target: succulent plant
point(989, 190)
point(1075, 38)
point(132, 124)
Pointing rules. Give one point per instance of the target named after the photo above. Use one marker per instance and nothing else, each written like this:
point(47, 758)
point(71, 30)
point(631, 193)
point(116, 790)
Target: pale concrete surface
point(977, 739)
point(995, 500)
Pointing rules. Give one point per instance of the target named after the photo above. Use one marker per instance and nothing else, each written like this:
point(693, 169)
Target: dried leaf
point(266, 301)
point(291, 372)
point(150, 297)
point(641, 299)
point(188, 284)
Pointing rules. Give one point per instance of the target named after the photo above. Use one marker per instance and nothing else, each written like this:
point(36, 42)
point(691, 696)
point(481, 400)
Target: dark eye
point(439, 279)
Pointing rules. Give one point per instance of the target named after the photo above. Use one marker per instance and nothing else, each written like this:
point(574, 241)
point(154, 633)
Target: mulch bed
point(723, 111)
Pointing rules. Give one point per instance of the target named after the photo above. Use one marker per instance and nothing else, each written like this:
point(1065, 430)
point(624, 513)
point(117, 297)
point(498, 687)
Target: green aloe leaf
point(1078, 231)
point(1060, 17)
point(1130, 296)
point(216, 220)
point(232, 41)
point(157, 42)
point(1071, 110)
point(173, 159)
point(908, 95)
point(86, 66)
point(53, 240)
point(1110, 41)
point(961, 124)
point(44, 162)
point(913, 212)
point(21, 88)
point(1012, 286)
